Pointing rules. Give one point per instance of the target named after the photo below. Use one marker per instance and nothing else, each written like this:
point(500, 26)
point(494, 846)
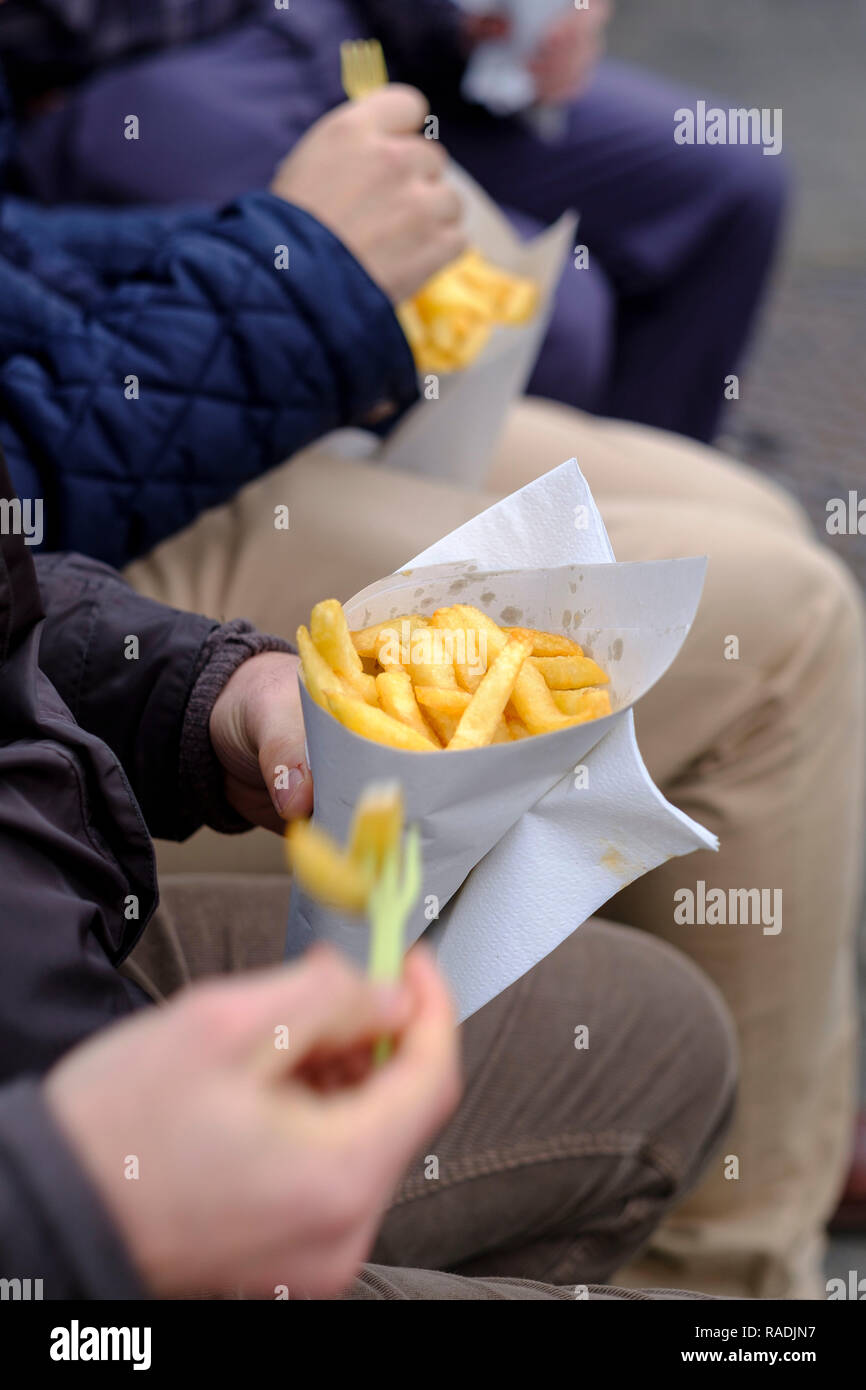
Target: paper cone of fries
point(521, 841)
point(452, 434)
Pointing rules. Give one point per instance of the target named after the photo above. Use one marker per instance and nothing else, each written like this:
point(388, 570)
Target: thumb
point(397, 109)
point(275, 733)
point(283, 761)
point(282, 1014)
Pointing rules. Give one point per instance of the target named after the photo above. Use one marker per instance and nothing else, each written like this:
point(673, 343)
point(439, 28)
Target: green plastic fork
point(389, 905)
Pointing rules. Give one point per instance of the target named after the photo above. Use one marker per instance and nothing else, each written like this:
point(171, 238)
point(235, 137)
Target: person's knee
point(838, 625)
point(683, 1042)
point(774, 601)
point(706, 1079)
point(758, 184)
point(664, 468)
point(804, 590)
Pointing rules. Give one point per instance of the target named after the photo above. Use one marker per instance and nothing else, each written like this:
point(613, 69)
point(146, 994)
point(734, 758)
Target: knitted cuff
point(201, 773)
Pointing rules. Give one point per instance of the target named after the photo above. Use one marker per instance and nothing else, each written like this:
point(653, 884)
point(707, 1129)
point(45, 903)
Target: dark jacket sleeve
point(76, 861)
point(53, 1226)
point(143, 677)
point(77, 873)
point(111, 247)
point(130, 407)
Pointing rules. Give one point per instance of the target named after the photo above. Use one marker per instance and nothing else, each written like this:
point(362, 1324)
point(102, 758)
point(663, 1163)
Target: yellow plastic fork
point(362, 67)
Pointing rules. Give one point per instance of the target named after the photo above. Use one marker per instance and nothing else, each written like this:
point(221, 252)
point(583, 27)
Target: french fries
point(344, 878)
point(397, 698)
point(443, 708)
point(375, 724)
point(325, 871)
point(376, 825)
point(547, 643)
point(321, 678)
point(530, 699)
point(368, 641)
point(569, 672)
point(585, 704)
point(449, 320)
point(330, 634)
point(372, 875)
point(453, 681)
point(480, 719)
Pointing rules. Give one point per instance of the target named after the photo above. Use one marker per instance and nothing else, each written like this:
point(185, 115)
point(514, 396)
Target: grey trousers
point(596, 1090)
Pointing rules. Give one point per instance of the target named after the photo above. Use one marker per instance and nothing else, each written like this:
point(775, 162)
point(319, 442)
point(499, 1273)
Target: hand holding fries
point(449, 320)
point(456, 680)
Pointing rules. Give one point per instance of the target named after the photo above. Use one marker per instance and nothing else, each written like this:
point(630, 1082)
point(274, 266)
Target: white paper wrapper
point(516, 854)
point(454, 435)
point(497, 75)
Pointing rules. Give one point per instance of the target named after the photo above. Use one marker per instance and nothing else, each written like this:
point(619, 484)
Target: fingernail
point(286, 795)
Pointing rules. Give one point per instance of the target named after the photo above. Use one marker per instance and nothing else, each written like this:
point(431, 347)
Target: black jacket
point(96, 754)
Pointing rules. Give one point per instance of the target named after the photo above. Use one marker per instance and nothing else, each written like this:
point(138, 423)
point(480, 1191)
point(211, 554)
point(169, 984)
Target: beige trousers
point(766, 747)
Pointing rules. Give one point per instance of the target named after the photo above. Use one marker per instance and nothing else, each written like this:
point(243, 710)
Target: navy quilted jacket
point(152, 362)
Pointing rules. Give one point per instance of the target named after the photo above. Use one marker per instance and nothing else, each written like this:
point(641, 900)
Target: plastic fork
point(391, 900)
point(362, 67)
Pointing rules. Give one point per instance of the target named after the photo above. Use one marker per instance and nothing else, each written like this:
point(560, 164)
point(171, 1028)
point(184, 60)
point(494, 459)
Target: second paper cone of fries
point(540, 666)
point(452, 430)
